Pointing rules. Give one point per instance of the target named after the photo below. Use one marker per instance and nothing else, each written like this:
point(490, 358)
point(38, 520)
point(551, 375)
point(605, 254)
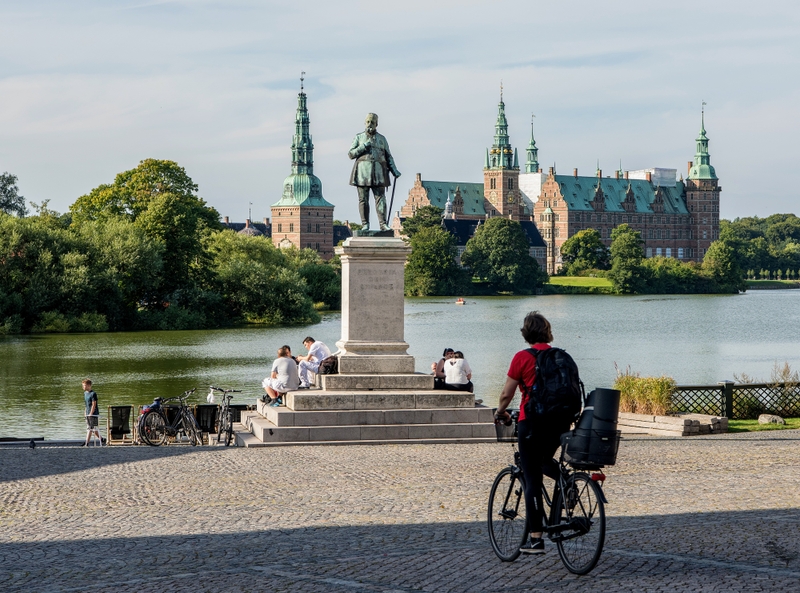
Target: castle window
point(705, 234)
point(493, 183)
point(510, 184)
point(317, 227)
point(308, 228)
point(658, 251)
point(280, 228)
point(649, 233)
point(680, 252)
point(291, 227)
point(649, 252)
point(317, 246)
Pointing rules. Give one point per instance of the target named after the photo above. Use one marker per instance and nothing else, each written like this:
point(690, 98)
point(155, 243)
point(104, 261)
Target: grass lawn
point(753, 425)
point(580, 281)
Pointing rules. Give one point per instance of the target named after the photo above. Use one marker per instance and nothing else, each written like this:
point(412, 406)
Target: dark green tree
point(720, 264)
point(584, 251)
point(499, 253)
point(627, 274)
point(10, 200)
point(432, 267)
point(425, 217)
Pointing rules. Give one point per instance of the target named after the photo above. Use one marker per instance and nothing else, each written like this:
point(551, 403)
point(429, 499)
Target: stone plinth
point(373, 315)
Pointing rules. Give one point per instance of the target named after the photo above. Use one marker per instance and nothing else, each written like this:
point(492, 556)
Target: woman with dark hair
point(539, 436)
point(458, 375)
point(438, 369)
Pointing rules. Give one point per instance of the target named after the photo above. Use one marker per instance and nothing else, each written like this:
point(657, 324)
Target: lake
point(696, 339)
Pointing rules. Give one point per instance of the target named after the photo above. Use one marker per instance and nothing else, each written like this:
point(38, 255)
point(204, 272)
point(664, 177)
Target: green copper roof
point(580, 191)
point(302, 187)
point(501, 155)
point(471, 193)
point(532, 164)
point(702, 169)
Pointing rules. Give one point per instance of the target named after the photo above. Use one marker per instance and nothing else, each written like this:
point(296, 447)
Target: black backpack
point(329, 366)
point(557, 389)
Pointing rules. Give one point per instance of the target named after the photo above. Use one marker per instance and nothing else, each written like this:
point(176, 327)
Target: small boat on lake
point(460, 301)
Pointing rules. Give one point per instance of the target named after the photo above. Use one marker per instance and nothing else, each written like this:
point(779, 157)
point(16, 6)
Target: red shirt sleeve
point(523, 370)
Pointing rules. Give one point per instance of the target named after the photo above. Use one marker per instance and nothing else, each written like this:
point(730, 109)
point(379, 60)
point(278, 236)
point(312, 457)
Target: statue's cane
point(391, 202)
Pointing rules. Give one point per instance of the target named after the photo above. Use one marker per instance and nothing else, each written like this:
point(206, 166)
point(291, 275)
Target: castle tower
point(532, 163)
point(302, 217)
point(702, 196)
point(501, 172)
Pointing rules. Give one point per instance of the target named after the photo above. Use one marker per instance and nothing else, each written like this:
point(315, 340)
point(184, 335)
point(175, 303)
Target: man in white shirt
point(317, 352)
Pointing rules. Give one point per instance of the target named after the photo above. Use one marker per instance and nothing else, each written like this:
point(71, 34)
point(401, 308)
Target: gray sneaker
point(533, 546)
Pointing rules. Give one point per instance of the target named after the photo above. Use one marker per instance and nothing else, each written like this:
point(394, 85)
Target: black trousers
point(538, 441)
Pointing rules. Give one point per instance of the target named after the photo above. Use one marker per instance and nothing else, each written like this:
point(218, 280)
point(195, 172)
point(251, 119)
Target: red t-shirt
point(523, 370)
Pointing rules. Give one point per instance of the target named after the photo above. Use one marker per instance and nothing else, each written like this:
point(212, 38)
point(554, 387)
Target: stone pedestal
point(373, 318)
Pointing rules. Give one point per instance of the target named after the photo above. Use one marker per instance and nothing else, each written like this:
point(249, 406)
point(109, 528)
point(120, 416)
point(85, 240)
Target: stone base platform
point(275, 426)
point(340, 382)
point(306, 400)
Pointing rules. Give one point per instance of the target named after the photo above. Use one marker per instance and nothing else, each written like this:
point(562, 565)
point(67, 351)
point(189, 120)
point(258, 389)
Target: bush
point(53, 322)
point(644, 395)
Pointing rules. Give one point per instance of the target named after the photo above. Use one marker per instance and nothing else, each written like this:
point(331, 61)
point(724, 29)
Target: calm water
point(695, 339)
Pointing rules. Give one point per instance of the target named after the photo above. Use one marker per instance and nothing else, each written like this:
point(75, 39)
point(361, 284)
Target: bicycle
point(576, 522)
point(154, 427)
point(225, 414)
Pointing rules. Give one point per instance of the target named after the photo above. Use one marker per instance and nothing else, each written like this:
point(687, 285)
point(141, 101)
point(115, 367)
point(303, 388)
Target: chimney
point(551, 171)
point(649, 176)
point(266, 222)
point(599, 172)
point(575, 172)
point(226, 220)
point(247, 223)
point(626, 174)
point(688, 167)
point(616, 174)
point(419, 177)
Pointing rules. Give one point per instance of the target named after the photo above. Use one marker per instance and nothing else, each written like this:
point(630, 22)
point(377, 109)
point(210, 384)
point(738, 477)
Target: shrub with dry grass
point(644, 395)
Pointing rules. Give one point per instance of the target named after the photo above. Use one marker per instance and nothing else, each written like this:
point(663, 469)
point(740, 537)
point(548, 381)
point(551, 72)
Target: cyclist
point(539, 436)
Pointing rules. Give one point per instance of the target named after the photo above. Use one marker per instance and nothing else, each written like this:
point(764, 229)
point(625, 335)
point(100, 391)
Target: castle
point(676, 218)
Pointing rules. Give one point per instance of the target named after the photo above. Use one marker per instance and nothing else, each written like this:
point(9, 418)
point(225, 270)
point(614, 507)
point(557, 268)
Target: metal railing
point(738, 401)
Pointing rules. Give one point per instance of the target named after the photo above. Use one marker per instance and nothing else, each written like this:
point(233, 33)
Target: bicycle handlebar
point(225, 390)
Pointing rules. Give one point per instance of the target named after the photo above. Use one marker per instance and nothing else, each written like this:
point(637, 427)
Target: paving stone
point(711, 513)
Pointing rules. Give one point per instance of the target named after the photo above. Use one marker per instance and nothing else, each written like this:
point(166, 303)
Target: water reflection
point(695, 339)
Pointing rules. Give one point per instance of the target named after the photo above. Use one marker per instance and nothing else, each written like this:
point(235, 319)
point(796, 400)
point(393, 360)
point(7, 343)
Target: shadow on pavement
point(748, 550)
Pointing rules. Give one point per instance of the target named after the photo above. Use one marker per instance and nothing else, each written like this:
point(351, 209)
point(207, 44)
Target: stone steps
point(283, 416)
point(306, 400)
point(266, 432)
point(248, 440)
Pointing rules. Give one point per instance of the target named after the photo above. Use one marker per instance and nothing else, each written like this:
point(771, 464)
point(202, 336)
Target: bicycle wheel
point(506, 518)
point(222, 423)
point(229, 429)
point(191, 428)
point(153, 429)
point(581, 542)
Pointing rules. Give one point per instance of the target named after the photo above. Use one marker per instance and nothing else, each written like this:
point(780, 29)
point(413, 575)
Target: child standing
point(92, 412)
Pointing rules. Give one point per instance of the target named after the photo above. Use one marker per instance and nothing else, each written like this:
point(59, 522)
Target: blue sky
point(88, 89)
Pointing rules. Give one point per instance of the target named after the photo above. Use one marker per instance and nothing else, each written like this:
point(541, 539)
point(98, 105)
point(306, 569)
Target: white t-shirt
point(286, 368)
point(456, 371)
point(318, 352)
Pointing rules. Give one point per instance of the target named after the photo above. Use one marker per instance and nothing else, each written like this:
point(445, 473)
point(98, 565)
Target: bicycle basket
point(506, 434)
point(590, 449)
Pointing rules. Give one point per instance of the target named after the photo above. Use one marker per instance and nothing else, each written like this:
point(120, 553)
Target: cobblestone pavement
point(715, 513)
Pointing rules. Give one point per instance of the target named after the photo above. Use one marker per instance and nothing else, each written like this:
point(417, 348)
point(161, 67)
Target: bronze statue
point(371, 170)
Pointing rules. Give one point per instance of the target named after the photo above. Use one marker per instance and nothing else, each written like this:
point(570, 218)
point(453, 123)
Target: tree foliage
point(10, 200)
point(146, 253)
point(499, 254)
point(626, 260)
point(584, 251)
point(432, 267)
point(425, 217)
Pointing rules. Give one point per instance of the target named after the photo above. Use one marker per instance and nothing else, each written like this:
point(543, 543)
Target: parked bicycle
point(225, 415)
point(154, 426)
point(574, 516)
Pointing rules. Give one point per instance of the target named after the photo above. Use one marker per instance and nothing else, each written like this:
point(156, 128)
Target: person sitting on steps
point(458, 374)
point(317, 352)
point(438, 369)
point(283, 377)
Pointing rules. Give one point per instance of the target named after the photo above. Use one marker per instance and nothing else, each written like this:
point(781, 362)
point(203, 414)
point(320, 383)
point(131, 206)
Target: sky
point(90, 88)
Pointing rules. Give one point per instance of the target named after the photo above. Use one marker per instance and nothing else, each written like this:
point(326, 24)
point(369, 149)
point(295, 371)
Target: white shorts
point(275, 384)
